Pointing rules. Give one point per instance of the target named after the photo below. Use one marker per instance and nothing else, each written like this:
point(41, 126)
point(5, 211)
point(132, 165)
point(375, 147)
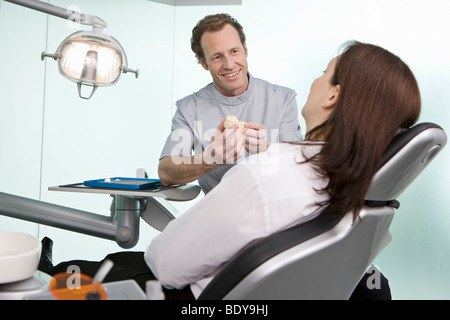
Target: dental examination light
point(90, 58)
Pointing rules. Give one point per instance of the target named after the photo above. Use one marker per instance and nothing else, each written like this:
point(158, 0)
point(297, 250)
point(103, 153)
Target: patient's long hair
point(378, 95)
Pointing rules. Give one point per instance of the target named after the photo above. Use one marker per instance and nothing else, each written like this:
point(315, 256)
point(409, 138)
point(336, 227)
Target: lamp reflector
point(90, 61)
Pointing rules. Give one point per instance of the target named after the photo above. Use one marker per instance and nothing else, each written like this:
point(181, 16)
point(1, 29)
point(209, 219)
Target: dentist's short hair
point(213, 23)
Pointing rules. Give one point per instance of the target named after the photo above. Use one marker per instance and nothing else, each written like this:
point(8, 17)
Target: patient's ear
point(333, 96)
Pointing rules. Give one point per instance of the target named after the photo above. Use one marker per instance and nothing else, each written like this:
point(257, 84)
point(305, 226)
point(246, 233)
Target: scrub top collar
point(232, 101)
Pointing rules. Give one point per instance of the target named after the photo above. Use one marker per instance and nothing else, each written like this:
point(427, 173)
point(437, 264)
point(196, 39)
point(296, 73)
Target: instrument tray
point(124, 183)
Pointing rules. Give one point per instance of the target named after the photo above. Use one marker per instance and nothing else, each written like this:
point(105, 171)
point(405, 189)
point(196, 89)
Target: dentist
point(199, 147)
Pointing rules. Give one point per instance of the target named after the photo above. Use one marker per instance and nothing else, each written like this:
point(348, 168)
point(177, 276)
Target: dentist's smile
point(231, 75)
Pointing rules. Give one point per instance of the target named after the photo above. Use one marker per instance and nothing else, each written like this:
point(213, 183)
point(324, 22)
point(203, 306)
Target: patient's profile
point(352, 113)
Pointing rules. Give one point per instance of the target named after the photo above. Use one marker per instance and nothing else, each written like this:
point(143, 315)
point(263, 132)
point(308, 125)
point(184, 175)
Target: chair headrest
point(405, 158)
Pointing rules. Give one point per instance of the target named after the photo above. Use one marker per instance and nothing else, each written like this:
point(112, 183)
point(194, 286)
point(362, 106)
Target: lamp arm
point(122, 226)
point(61, 12)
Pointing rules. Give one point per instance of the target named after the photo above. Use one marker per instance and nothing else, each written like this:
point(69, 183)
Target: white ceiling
point(198, 2)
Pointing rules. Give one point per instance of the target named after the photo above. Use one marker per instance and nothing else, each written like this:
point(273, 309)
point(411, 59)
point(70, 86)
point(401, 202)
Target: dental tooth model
point(232, 120)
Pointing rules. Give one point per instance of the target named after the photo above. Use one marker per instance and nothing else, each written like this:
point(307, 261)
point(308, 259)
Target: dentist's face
point(226, 60)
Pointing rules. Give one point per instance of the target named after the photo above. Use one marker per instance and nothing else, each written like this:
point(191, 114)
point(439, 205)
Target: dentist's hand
point(255, 138)
point(226, 146)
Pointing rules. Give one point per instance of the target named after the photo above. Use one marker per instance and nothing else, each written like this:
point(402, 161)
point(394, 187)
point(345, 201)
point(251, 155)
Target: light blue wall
point(290, 42)
point(20, 112)
point(49, 136)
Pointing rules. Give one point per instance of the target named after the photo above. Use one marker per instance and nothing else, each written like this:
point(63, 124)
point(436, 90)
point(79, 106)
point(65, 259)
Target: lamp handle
point(79, 84)
point(136, 72)
point(55, 56)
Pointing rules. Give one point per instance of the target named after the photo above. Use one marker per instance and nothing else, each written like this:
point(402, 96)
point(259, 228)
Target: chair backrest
point(323, 258)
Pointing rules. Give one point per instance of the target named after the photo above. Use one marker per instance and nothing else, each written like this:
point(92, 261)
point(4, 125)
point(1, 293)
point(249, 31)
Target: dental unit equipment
point(90, 58)
point(122, 225)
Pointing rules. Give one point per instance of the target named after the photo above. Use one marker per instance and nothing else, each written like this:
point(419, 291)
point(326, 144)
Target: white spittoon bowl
point(19, 256)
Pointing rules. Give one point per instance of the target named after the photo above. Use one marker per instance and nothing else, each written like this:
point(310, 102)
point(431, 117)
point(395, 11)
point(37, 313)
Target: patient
point(352, 113)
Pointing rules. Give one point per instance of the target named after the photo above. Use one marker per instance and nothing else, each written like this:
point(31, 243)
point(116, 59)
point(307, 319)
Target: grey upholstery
point(323, 258)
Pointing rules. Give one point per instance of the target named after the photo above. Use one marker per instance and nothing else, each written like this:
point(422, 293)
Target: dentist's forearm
point(181, 170)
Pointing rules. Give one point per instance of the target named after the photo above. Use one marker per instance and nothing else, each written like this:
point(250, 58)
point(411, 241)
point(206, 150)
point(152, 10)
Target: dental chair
point(326, 258)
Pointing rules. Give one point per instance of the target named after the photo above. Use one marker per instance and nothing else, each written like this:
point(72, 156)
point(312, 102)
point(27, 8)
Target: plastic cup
point(70, 286)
